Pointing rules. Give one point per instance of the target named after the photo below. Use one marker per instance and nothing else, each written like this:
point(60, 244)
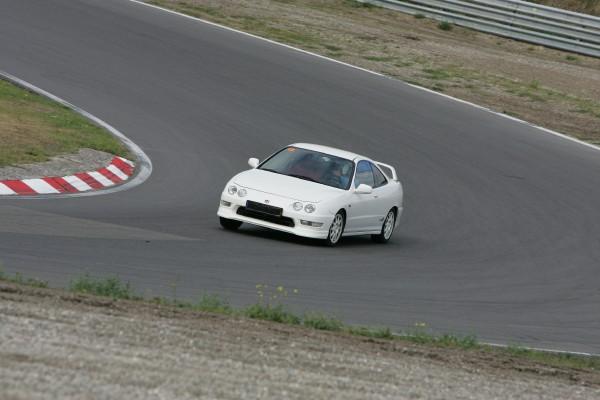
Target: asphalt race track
point(501, 232)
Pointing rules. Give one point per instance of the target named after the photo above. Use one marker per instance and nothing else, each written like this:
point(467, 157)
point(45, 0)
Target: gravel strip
point(56, 345)
point(69, 164)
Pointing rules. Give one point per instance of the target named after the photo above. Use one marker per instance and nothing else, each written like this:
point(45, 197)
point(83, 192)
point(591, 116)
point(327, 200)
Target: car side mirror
point(363, 189)
point(253, 162)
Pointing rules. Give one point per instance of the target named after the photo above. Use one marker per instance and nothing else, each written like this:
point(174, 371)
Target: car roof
point(328, 150)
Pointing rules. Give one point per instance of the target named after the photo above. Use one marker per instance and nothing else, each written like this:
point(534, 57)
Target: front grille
point(264, 208)
point(275, 219)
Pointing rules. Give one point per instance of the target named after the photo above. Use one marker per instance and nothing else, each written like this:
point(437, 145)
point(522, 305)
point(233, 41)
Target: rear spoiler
point(388, 170)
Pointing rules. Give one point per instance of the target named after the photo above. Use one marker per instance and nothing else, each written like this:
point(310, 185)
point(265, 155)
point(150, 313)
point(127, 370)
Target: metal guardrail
point(515, 19)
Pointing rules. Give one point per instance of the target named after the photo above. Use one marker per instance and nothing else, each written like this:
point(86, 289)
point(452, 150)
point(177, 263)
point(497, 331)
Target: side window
point(380, 179)
point(364, 174)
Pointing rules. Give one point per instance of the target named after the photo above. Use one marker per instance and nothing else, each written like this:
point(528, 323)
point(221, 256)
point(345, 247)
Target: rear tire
point(386, 229)
point(336, 230)
point(230, 224)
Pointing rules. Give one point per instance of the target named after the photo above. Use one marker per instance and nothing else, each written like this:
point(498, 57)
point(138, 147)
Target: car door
point(361, 215)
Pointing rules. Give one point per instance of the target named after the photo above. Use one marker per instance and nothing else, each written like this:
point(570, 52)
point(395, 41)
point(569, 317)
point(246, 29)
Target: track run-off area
point(501, 232)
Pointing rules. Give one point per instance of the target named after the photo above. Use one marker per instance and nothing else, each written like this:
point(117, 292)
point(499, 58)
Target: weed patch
point(437, 73)
point(18, 278)
point(445, 26)
point(277, 313)
point(213, 303)
point(376, 333)
point(322, 322)
point(379, 58)
point(360, 4)
point(108, 287)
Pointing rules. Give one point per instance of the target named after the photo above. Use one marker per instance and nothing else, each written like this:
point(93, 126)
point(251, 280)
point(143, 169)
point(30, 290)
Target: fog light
point(225, 203)
point(311, 223)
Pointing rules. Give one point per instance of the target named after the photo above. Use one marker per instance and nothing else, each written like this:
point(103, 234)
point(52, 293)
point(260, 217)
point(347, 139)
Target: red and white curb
point(119, 170)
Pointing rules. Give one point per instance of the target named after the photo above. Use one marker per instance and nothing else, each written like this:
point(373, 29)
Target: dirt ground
point(551, 88)
point(54, 344)
point(583, 6)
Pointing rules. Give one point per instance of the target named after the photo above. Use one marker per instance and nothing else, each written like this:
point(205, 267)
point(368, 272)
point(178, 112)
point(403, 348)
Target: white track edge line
point(547, 130)
point(544, 350)
point(562, 135)
point(144, 164)
point(506, 346)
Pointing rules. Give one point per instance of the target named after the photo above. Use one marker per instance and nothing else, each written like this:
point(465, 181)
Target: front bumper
point(231, 212)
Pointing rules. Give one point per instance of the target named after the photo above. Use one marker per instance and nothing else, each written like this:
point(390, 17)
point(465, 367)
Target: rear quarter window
point(380, 179)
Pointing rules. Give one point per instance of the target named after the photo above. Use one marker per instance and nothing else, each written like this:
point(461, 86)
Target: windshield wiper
point(306, 178)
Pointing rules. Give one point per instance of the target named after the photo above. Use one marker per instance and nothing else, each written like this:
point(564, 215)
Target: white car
point(317, 192)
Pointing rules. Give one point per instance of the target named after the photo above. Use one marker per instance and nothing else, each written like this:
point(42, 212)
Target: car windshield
point(311, 166)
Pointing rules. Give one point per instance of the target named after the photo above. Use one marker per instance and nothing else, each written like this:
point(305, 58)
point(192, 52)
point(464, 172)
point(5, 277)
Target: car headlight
point(297, 206)
point(242, 192)
point(232, 189)
point(310, 208)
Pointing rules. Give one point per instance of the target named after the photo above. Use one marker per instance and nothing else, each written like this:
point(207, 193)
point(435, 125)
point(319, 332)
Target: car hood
point(285, 186)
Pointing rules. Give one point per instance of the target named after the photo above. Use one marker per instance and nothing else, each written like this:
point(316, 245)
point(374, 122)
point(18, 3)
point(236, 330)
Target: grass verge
point(34, 129)
point(270, 307)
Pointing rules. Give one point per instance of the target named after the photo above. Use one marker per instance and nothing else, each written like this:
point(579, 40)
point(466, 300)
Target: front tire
point(230, 224)
point(336, 229)
point(386, 229)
